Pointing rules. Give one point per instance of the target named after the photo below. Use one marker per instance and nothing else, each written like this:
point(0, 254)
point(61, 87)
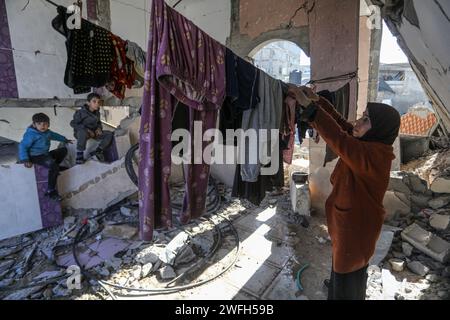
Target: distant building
point(281, 60)
point(399, 87)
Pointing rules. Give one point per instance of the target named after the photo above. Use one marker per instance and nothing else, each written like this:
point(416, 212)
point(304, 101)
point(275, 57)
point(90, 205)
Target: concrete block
point(441, 185)
point(394, 206)
point(427, 242)
point(397, 182)
point(418, 268)
point(439, 221)
point(439, 202)
point(397, 265)
point(300, 198)
point(420, 200)
point(80, 190)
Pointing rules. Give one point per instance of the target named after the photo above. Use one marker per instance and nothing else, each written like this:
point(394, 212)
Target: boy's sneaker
point(80, 158)
point(99, 155)
point(53, 195)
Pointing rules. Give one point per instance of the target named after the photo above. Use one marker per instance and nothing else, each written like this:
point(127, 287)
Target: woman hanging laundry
point(354, 209)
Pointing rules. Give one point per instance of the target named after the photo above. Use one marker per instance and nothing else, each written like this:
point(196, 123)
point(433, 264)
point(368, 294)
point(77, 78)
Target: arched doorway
point(283, 60)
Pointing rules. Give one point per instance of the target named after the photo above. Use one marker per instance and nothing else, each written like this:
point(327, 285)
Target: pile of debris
point(418, 211)
point(40, 265)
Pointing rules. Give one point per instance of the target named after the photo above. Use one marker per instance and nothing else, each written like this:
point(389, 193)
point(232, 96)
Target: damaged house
point(141, 225)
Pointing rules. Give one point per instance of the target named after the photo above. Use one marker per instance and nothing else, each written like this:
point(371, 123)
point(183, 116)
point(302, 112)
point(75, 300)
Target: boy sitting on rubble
point(87, 125)
point(35, 146)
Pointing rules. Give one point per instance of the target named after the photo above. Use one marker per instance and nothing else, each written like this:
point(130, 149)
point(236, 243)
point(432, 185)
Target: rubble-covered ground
point(239, 252)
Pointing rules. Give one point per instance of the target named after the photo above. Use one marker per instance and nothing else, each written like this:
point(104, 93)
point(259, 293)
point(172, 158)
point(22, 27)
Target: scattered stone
point(321, 240)
point(420, 200)
point(439, 202)
point(60, 291)
point(443, 294)
point(408, 290)
point(6, 282)
point(147, 255)
point(23, 294)
point(104, 272)
point(173, 247)
point(416, 184)
point(398, 296)
point(407, 249)
point(122, 231)
point(48, 293)
point(439, 221)
point(441, 185)
point(446, 272)
point(114, 263)
point(394, 206)
point(146, 269)
point(396, 182)
point(136, 272)
point(418, 268)
point(432, 277)
point(186, 255)
point(6, 265)
point(127, 212)
point(397, 264)
point(167, 273)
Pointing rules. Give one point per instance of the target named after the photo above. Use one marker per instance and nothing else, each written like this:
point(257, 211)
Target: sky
point(390, 51)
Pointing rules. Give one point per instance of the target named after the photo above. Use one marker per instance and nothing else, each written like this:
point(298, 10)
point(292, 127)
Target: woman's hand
point(303, 95)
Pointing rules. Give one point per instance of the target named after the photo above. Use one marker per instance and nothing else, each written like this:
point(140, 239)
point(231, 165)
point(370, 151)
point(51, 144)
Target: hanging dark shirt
point(89, 53)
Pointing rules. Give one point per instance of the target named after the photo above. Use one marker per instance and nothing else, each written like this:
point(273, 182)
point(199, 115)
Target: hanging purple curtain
point(184, 64)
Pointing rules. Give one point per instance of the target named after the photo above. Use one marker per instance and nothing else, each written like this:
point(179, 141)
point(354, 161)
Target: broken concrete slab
point(148, 255)
point(420, 200)
point(427, 242)
point(397, 182)
point(439, 221)
point(441, 184)
point(415, 183)
point(122, 231)
point(439, 202)
point(95, 185)
point(146, 269)
point(97, 253)
point(383, 245)
point(173, 247)
point(394, 206)
point(23, 294)
point(407, 249)
point(418, 268)
point(167, 273)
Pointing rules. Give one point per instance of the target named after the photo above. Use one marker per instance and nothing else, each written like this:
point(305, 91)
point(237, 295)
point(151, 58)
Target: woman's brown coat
point(354, 209)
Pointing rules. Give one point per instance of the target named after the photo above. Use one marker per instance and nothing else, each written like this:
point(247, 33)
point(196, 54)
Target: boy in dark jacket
point(35, 146)
point(87, 125)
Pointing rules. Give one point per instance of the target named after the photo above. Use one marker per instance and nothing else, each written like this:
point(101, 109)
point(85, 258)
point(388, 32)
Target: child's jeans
point(51, 161)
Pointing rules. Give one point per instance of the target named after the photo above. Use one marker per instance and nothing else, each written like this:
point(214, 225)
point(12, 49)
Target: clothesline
point(346, 76)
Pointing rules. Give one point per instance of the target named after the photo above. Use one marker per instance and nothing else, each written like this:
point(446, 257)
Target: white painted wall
point(18, 217)
point(20, 119)
point(41, 75)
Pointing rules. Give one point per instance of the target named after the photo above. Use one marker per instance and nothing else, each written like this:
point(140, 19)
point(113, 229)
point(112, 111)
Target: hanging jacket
point(36, 143)
point(89, 53)
point(85, 119)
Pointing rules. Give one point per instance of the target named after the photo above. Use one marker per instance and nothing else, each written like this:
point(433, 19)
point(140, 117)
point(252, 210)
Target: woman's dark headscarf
point(385, 122)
